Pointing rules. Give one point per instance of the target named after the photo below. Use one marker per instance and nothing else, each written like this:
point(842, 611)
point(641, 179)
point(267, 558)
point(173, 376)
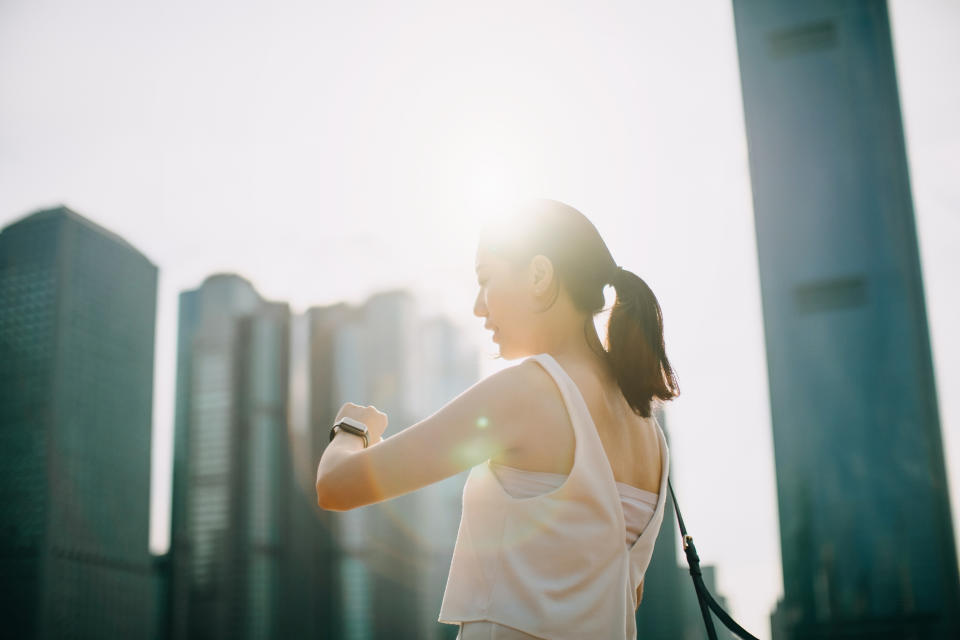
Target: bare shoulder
point(542, 438)
point(536, 374)
point(522, 386)
point(522, 400)
point(528, 370)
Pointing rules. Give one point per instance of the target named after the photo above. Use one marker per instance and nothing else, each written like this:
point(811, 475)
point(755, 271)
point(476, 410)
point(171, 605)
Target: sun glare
point(488, 163)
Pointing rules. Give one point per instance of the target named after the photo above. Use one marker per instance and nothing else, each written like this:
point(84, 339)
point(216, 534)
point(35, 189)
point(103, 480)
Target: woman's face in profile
point(499, 301)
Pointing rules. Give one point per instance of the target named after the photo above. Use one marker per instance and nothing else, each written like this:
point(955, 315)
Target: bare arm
point(483, 421)
point(639, 594)
point(339, 449)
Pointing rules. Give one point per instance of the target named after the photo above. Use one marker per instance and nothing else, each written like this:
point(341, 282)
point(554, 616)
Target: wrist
point(352, 426)
point(336, 451)
point(349, 441)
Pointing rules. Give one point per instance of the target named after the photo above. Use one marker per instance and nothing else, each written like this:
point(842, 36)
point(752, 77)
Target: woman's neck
point(586, 349)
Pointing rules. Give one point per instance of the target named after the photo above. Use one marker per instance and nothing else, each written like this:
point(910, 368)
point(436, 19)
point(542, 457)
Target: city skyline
point(250, 554)
point(258, 173)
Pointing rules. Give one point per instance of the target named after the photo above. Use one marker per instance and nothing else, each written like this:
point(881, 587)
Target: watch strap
point(350, 425)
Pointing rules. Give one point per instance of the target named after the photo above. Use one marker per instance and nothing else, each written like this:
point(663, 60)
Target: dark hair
point(583, 265)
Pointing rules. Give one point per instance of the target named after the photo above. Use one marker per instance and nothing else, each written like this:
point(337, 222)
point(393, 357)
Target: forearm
point(340, 448)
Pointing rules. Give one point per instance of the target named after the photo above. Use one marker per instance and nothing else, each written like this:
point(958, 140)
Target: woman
point(568, 467)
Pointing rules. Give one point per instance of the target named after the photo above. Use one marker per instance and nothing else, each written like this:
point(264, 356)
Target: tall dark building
point(669, 609)
point(447, 366)
point(395, 553)
point(161, 590)
point(661, 612)
point(232, 466)
point(366, 355)
point(77, 317)
point(866, 533)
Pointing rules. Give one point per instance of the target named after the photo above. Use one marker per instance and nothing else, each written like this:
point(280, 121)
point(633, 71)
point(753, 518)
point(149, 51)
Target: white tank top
point(550, 564)
point(638, 504)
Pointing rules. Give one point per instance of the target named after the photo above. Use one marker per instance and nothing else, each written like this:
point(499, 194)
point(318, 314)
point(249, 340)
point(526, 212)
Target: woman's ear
point(541, 271)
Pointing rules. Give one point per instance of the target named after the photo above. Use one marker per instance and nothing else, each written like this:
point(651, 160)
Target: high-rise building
point(364, 355)
point(447, 367)
point(669, 609)
point(661, 612)
point(391, 558)
point(77, 317)
point(314, 392)
point(161, 593)
point(866, 533)
point(231, 567)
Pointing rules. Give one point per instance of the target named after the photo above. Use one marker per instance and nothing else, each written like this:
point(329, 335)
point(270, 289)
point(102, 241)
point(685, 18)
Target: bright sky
point(330, 152)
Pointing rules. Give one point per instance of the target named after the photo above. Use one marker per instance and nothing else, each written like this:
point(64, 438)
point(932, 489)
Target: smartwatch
point(353, 426)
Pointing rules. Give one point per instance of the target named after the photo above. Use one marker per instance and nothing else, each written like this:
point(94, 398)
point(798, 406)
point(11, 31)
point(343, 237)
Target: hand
point(375, 420)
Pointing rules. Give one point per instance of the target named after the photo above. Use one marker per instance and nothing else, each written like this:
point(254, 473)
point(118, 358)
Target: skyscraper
point(447, 367)
point(232, 465)
point(866, 534)
point(77, 317)
point(669, 609)
point(391, 558)
point(329, 371)
point(366, 355)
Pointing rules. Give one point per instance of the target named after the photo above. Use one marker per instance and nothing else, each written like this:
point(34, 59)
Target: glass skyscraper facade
point(77, 318)
point(366, 355)
point(669, 609)
point(232, 469)
point(447, 367)
point(866, 533)
point(388, 561)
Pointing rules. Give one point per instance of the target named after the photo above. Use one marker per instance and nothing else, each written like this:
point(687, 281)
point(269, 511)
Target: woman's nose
point(479, 309)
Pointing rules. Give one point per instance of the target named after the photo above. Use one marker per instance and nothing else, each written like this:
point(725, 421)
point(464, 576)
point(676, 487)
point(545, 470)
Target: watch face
point(353, 426)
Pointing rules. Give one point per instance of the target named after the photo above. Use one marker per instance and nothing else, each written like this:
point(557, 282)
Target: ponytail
point(583, 264)
point(636, 351)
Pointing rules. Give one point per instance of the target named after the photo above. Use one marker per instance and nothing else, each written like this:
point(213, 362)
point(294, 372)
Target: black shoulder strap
point(706, 600)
